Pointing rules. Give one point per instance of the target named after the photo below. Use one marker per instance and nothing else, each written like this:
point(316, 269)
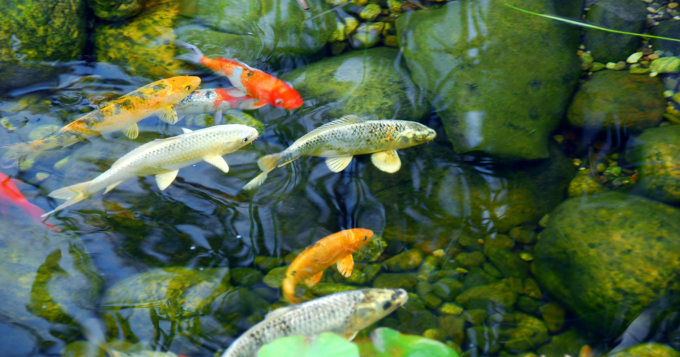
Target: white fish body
point(341, 139)
point(344, 313)
point(164, 158)
point(216, 101)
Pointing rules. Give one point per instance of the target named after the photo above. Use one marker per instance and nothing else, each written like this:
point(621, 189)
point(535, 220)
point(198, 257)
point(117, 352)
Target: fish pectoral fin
point(112, 186)
point(350, 335)
point(218, 161)
point(165, 179)
point(187, 131)
point(217, 117)
point(314, 279)
point(235, 79)
point(337, 164)
point(131, 131)
point(168, 115)
point(280, 311)
point(346, 266)
point(387, 161)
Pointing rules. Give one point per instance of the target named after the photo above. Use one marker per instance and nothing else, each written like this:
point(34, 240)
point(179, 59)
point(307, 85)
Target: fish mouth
point(431, 134)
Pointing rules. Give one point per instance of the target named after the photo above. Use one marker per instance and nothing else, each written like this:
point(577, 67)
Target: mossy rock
point(647, 350)
point(366, 83)
point(256, 32)
point(655, 153)
point(482, 77)
point(568, 343)
point(144, 44)
point(621, 15)
point(609, 257)
point(34, 33)
point(405, 281)
point(495, 296)
point(131, 308)
point(116, 10)
point(507, 262)
point(670, 29)
point(408, 260)
point(618, 100)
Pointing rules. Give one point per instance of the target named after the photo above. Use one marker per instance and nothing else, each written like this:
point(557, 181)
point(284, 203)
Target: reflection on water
point(494, 227)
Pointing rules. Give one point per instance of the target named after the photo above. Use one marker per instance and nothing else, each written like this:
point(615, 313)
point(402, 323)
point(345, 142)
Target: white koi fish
point(164, 158)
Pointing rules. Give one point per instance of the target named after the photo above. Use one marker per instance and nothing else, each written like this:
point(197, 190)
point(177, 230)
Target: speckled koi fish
point(309, 265)
point(119, 114)
point(344, 313)
point(164, 158)
point(215, 101)
point(268, 89)
point(341, 139)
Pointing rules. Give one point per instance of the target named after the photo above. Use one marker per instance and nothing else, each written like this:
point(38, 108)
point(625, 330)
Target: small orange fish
point(267, 88)
point(10, 196)
point(336, 248)
point(122, 113)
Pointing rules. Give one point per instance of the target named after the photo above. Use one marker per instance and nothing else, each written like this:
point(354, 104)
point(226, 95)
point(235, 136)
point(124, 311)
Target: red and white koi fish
point(10, 196)
point(216, 101)
point(267, 88)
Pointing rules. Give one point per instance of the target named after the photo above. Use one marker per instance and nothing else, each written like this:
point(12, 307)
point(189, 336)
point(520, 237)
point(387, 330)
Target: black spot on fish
point(387, 305)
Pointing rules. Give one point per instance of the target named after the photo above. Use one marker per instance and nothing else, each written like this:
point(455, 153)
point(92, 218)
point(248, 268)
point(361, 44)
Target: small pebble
point(597, 66)
point(526, 256)
point(653, 56)
point(672, 5)
point(640, 70)
point(439, 253)
point(451, 308)
point(40, 176)
point(634, 57)
point(462, 270)
point(577, 162)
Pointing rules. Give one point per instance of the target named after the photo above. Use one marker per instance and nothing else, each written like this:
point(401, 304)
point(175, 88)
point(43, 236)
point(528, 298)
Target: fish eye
point(279, 101)
point(245, 140)
point(187, 87)
point(365, 237)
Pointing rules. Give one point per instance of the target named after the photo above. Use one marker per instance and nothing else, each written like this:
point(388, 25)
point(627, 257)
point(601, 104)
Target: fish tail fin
point(194, 54)
point(36, 213)
point(17, 153)
point(266, 164)
point(72, 194)
point(288, 289)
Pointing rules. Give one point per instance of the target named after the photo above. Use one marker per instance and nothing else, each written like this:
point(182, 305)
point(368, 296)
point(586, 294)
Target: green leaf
point(386, 342)
point(326, 345)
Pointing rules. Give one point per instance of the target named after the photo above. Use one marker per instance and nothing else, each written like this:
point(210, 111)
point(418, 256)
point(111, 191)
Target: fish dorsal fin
point(346, 120)
point(187, 131)
point(280, 311)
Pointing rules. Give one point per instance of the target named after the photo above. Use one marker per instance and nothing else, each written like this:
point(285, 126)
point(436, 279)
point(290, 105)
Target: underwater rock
point(584, 185)
point(518, 331)
point(553, 315)
point(36, 34)
point(484, 339)
point(479, 277)
point(116, 10)
point(406, 281)
point(144, 44)
point(255, 31)
point(622, 15)
point(608, 257)
point(670, 29)
point(178, 294)
point(245, 276)
point(477, 62)
point(498, 296)
point(274, 277)
point(366, 83)
point(568, 343)
point(405, 261)
point(470, 260)
point(50, 286)
point(323, 289)
point(618, 100)
point(656, 152)
point(454, 327)
point(265, 263)
point(447, 288)
point(527, 304)
point(647, 350)
point(507, 262)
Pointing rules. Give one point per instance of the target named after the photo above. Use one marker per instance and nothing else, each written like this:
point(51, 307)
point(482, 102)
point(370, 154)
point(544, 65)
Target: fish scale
point(343, 313)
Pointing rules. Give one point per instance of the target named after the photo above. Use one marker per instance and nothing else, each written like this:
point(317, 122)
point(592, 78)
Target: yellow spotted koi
point(119, 114)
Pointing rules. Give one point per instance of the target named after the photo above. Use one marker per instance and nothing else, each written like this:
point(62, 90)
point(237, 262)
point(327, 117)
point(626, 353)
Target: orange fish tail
point(288, 288)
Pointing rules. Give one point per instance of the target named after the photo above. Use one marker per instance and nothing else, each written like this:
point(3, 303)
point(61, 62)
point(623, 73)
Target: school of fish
point(171, 100)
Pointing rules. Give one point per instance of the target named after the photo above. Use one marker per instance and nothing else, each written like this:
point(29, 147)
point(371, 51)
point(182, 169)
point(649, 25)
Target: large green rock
point(34, 34)
point(115, 10)
point(501, 80)
point(367, 83)
point(647, 350)
point(608, 257)
point(50, 286)
point(568, 343)
point(656, 153)
point(255, 31)
point(618, 100)
point(670, 29)
point(621, 15)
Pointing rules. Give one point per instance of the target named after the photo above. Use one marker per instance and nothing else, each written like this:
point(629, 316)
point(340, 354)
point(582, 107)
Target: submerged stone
point(495, 296)
point(116, 10)
point(655, 153)
point(568, 343)
point(647, 350)
point(408, 260)
point(477, 72)
point(245, 276)
point(274, 277)
point(618, 100)
point(553, 315)
point(405, 281)
point(508, 263)
point(624, 261)
point(622, 15)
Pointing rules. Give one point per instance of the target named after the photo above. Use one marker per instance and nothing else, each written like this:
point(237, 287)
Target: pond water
point(542, 220)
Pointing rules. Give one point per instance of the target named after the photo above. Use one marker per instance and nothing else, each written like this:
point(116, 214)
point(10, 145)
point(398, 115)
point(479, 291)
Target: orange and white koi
point(267, 88)
point(309, 265)
point(216, 101)
point(10, 196)
point(119, 114)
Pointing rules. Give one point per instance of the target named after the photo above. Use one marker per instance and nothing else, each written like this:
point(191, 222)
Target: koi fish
point(164, 158)
point(215, 101)
point(119, 114)
point(344, 313)
point(304, 5)
point(341, 139)
point(268, 89)
point(309, 265)
point(10, 196)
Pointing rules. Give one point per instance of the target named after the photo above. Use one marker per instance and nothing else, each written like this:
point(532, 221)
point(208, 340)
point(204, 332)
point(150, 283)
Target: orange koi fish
point(268, 89)
point(119, 114)
point(309, 265)
point(10, 196)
